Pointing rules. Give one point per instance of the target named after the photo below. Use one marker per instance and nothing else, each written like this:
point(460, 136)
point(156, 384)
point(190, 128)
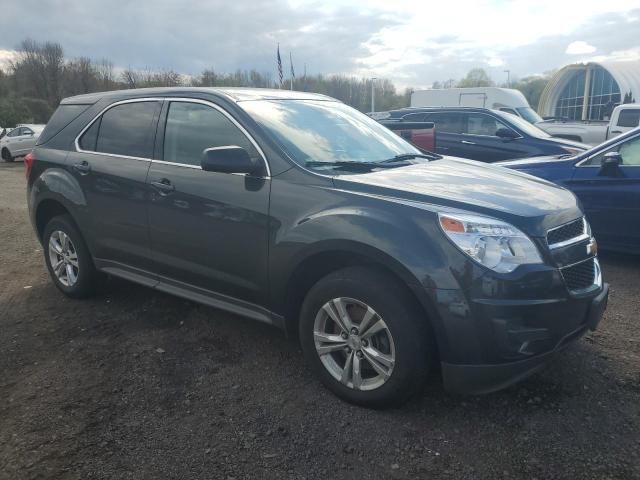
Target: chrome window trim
point(108, 107)
point(585, 235)
point(168, 99)
point(579, 164)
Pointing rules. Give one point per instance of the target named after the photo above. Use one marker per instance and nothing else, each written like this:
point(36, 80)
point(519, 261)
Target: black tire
point(86, 281)
point(6, 156)
point(415, 350)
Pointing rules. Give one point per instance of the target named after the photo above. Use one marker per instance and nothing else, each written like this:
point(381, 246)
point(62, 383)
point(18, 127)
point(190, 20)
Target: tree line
point(40, 75)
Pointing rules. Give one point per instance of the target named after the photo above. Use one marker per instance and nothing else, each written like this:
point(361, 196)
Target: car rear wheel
point(67, 258)
point(6, 155)
point(364, 337)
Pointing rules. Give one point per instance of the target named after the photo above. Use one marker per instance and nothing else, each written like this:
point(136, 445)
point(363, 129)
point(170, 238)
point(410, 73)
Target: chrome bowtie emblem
point(592, 247)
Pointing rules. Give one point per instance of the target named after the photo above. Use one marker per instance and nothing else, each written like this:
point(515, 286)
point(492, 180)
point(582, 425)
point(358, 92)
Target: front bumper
point(536, 344)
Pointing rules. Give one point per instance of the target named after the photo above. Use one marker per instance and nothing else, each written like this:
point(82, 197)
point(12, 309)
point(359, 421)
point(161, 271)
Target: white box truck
point(504, 99)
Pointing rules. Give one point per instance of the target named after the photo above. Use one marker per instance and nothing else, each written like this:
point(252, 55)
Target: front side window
point(479, 124)
point(193, 127)
point(629, 152)
point(14, 133)
point(125, 129)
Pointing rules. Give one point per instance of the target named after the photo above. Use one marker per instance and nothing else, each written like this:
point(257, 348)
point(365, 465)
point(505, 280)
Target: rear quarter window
point(63, 116)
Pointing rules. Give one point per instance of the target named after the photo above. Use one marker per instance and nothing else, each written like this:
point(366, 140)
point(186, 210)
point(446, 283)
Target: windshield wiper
point(346, 164)
point(409, 156)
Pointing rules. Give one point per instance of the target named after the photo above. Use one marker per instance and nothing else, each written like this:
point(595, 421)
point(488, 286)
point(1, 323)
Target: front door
point(480, 142)
point(612, 199)
point(111, 167)
point(209, 231)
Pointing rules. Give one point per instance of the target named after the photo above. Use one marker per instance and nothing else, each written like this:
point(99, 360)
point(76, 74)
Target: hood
point(531, 204)
point(569, 143)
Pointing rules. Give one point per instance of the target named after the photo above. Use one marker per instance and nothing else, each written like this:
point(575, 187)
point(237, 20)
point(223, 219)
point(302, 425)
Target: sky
point(411, 42)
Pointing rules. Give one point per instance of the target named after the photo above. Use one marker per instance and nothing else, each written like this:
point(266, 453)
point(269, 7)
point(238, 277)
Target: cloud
point(403, 41)
point(579, 48)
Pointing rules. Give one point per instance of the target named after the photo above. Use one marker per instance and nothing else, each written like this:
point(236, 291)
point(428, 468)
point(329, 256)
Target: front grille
point(581, 275)
point(566, 232)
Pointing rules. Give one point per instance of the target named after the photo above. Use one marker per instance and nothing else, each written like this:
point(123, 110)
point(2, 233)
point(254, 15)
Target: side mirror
point(609, 166)
point(506, 134)
point(229, 159)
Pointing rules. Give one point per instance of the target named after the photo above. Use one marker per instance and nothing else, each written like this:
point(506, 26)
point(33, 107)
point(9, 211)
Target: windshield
point(529, 114)
point(525, 126)
point(326, 131)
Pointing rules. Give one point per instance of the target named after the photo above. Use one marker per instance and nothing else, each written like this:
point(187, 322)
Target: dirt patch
point(135, 384)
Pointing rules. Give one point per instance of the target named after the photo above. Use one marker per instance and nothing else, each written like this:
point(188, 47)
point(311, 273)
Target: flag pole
point(293, 74)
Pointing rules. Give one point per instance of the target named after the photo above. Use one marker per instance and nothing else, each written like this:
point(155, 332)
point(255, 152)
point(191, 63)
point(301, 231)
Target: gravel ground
point(136, 384)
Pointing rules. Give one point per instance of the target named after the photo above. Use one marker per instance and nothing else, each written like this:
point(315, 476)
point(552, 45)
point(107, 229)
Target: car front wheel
point(364, 337)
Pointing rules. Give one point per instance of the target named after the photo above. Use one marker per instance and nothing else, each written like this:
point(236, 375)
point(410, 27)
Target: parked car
point(419, 134)
point(19, 141)
point(506, 100)
point(606, 179)
point(296, 210)
point(483, 134)
point(624, 118)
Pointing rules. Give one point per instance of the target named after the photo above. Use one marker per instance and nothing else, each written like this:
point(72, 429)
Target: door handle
point(83, 167)
point(164, 185)
point(466, 142)
point(616, 131)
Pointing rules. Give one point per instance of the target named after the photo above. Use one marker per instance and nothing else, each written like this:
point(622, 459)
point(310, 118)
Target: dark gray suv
point(298, 211)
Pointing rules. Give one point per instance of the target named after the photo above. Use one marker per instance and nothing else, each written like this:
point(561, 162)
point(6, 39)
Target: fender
point(59, 185)
point(393, 241)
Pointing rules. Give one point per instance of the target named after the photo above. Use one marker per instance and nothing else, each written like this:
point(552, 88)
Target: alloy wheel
point(354, 343)
point(63, 258)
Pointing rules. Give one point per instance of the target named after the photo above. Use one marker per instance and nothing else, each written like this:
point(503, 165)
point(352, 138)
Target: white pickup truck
point(623, 118)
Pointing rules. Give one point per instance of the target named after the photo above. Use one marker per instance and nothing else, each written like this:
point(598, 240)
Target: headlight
point(490, 242)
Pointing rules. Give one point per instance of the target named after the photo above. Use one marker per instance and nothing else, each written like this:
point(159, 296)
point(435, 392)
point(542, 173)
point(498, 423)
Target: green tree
point(531, 88)
point(477, 77)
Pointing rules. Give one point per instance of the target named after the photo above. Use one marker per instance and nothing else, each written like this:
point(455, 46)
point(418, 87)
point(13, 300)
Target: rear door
point(209, 230)
point(111, 163)
point(449, 126)
point(19, 141)
point(612, 202)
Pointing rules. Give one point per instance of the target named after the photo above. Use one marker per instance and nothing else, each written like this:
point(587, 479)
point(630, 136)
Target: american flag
point(280, 74)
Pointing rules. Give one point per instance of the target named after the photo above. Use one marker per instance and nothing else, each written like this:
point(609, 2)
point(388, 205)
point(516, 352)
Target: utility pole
point(508, 72)
point(373, 94)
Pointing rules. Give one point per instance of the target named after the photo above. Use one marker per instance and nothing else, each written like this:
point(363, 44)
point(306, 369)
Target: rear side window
point(90, 137)
point(192, 127)
point(63, 116)
point(629, 118)
point(127, 129)
point(447, 122)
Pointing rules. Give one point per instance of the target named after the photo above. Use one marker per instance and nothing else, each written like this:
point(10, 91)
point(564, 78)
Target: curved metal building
point(590, 91)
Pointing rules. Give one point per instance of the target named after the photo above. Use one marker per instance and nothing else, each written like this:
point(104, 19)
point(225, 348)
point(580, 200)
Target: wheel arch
point(332, 256)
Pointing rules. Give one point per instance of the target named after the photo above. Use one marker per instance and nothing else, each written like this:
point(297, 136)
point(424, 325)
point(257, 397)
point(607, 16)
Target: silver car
point(19, 141)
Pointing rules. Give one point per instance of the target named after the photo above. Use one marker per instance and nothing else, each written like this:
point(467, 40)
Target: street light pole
point(508, 72)
point(373, 94)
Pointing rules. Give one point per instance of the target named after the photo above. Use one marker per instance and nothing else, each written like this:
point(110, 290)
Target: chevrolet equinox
point(296, 210)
